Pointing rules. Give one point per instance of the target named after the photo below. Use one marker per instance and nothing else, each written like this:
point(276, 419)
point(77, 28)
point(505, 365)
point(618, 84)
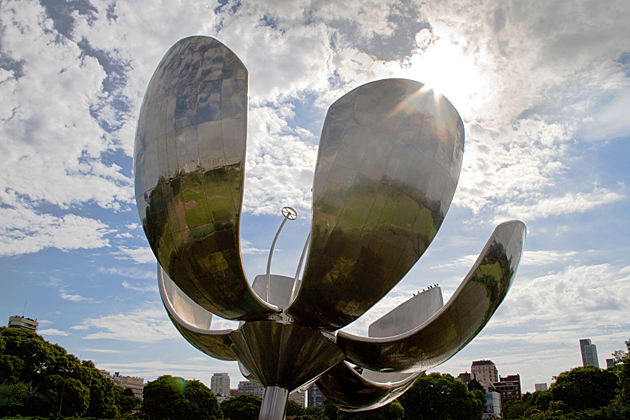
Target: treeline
point(584, 393)
point(39, 379)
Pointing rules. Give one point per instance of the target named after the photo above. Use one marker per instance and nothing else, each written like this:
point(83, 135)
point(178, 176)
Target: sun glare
point(448, 67)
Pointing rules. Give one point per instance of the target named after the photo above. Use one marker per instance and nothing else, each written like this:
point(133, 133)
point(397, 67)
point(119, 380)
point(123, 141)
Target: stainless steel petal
point(388, 163)
point(189, 163)
point(350, 391)
point(192, 321)
point(457, 323)
point(284, 355)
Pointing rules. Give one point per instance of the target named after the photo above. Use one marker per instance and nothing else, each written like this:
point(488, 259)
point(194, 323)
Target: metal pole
point(297, 274)
point(274, 403)
point(289, 214)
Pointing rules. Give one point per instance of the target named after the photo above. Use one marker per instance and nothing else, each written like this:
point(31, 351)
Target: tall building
point(589, 353)
point(485, 372)
point(315, 397)
point(541, 387)
point(298, 397)
point(248, 387)
point(509, 387)
point(220, 384)
point(21, 322)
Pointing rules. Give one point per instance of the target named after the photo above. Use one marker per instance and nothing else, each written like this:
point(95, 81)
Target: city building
point(610, 363)
point(485, 372)
point(315, 397)
point(298, 397)
point(134, 383)
point(509, 387)
point(248, 387)
point(589, 353)
point(233, 392)
point(21, 322)
point(465, 378)
point(541, 387)
point(492, 409)
point(220, 384)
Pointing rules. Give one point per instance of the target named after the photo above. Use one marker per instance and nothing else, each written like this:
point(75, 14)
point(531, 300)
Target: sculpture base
point(274, 403)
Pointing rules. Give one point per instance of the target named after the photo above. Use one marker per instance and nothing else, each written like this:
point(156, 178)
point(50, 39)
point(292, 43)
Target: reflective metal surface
point(458, 322)
point(185, 315)
point(350, 391)
point(388, 164)
point(274, 404)
point(189, 163)
point(285, 355)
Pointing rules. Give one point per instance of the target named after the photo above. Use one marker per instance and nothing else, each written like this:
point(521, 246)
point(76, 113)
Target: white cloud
point(101, 351)
point(570, 298)
point(132, 272)
point(24, 230)
point(141, 255)
point(141, 326)
point(140, 288)
point(52, 331)
point(63, 293)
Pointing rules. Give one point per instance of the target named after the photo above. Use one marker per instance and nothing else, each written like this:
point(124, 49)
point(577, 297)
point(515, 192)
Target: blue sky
point(543, 88)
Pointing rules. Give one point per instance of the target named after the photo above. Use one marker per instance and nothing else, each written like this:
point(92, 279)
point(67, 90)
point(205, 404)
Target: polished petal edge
point(388, 164)
point(350, 391)
point(214, 343)
point(189, 162)
point(457, 323)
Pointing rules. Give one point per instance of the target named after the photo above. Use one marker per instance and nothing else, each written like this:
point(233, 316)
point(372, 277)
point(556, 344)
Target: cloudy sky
point(543, 88)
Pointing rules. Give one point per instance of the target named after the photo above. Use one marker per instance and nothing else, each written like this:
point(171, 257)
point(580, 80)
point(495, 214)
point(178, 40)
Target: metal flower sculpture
point(388, 164)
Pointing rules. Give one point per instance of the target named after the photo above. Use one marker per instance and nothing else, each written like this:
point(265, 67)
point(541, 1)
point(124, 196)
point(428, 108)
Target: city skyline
point(543, 89)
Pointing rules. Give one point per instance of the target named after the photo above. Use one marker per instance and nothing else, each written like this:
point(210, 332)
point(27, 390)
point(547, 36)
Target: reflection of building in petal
point(21, 322)
point(134, 383)
point(589, 353)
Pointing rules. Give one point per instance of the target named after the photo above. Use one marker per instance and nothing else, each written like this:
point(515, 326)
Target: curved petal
point(188, 162)
point(457, 323)
point(388, 163)
point(192, 321)
point(349, 391)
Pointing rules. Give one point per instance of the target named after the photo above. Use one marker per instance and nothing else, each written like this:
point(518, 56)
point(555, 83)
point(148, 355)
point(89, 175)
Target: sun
point(464, 75)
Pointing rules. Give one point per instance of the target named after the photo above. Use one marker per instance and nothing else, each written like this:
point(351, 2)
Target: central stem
point(274, 403)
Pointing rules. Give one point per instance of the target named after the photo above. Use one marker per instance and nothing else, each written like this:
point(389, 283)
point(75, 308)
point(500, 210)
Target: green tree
point(126, 400)
point(174, 398)
point(392, 411)
point(584, 387)
point(294, 409)
point(61, 384)
point(442, 397)
point(474, 384)
point(622, 369)
point(12, 394)
point(243, 407)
